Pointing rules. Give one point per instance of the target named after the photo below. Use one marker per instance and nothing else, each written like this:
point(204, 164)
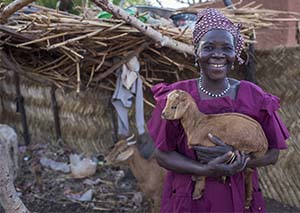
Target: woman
point(217, 44)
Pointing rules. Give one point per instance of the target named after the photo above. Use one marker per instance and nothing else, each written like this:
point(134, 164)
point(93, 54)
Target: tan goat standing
point(150, 176)
point(235, 129)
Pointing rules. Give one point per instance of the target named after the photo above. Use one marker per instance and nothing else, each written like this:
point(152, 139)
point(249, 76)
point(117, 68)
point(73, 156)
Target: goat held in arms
point(235, 129)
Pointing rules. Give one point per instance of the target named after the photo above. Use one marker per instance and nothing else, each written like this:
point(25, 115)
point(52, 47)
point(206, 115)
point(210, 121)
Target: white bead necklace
point(214, 94)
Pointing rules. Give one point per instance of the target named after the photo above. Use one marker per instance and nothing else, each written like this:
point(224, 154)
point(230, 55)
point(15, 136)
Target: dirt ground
point(113, 189)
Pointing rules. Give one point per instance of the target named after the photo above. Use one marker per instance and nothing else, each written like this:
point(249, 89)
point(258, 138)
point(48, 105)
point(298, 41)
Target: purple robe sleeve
point(162, 132)
point(274, 128)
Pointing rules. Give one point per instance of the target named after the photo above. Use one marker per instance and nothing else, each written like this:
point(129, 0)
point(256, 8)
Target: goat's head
point(177, 103)
point(121, 152)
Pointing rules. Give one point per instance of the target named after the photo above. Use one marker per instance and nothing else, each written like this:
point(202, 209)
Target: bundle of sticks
point(252, 15)
point(71, 51)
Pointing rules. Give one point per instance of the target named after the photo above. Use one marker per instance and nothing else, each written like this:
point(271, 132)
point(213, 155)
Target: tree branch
point(13, 7)
point(9, 198)
point(163, 40)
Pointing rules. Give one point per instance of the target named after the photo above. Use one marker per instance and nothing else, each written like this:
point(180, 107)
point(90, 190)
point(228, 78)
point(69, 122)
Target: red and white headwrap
point(210, 19)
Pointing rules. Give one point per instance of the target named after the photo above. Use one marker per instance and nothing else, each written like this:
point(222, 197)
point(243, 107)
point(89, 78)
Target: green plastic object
point(107, 15)
point(104, 14)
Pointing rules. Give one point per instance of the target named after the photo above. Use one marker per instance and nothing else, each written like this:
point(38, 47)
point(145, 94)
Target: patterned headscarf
point(210, 19)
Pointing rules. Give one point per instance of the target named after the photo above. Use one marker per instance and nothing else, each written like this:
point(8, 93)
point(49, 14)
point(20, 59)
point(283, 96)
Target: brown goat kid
point(235, 129)
point(150, 176)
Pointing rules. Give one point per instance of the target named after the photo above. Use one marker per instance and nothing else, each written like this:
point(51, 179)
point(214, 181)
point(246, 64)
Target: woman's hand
point(207, 154)
point(215, 168)
point(220, 167)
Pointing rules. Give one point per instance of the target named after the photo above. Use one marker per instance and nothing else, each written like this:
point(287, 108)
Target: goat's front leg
point(248, 187)
point(199, 186)
point(156, 203)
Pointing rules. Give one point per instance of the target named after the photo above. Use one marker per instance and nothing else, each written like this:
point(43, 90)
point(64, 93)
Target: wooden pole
point(20, 108)
point(55, 113)
point(251, 66)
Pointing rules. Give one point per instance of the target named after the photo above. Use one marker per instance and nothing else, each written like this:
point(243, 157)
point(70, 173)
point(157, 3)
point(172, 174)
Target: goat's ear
point(130, 143)
point(124, 155)
point(130, 137)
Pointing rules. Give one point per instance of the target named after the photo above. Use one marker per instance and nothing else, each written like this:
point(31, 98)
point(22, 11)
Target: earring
point(232, 67)
point(196, 61)
point(201, 72)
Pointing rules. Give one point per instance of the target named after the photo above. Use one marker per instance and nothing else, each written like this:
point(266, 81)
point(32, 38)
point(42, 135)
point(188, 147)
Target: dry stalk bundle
point(252, 16)
point(74, 52)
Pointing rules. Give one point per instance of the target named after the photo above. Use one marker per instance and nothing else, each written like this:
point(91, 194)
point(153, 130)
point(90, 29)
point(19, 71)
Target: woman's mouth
point(217, 65)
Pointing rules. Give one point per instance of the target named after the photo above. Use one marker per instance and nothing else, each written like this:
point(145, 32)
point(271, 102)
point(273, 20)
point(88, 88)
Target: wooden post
point(298, 32)
point(55, 113)
point(251, 66)
point(20, 108)
point(112, 118)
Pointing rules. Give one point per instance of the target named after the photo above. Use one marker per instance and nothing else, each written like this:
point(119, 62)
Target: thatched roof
point(73, 52)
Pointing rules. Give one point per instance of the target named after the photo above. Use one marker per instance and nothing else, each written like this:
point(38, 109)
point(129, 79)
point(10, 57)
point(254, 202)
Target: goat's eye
point(173, 107)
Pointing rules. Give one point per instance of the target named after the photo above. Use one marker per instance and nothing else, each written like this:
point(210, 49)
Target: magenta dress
point(170, 136)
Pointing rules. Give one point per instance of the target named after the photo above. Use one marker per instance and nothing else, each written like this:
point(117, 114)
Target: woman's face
point(216, 54)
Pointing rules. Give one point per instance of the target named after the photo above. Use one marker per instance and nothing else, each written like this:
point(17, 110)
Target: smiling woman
point(215, 55)
point(218, 44)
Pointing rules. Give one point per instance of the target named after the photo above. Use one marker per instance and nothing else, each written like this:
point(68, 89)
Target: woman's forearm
point(179, 163)
point(270, 157)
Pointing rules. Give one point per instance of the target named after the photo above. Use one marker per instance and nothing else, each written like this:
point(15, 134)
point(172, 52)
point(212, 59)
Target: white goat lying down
point(235, 129)
point(150, 176)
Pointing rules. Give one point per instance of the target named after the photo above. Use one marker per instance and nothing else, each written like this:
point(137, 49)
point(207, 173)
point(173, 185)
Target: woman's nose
point(218, 53)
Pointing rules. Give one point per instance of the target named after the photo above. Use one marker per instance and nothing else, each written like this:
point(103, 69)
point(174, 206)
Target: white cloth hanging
point(128, 86)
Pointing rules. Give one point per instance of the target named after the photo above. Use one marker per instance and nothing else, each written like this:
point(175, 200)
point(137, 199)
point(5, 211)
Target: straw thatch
point(278, 72)
point(76, 52)
point(85, 120)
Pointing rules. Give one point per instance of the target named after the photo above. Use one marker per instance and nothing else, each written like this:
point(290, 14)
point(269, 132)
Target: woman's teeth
point(217, 65)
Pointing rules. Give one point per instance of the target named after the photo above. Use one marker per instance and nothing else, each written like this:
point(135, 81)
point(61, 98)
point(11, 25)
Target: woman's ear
point(196, 49)
point(196, 61)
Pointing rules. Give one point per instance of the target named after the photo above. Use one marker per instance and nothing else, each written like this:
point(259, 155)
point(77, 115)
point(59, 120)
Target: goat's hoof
point(197, 196)
point(247, 204)
point(223, 179)
point(247, 207)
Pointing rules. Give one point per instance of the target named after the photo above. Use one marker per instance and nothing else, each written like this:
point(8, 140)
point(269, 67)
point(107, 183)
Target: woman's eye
point(228, 48)
point(208, 48)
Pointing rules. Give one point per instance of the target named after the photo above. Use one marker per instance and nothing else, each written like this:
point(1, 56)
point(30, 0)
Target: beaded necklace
point(214, 94)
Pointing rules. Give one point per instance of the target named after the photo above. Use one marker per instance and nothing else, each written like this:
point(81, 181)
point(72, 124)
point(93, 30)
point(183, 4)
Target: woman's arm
point(270, 157)
point(205, 154)
point(215, 168)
